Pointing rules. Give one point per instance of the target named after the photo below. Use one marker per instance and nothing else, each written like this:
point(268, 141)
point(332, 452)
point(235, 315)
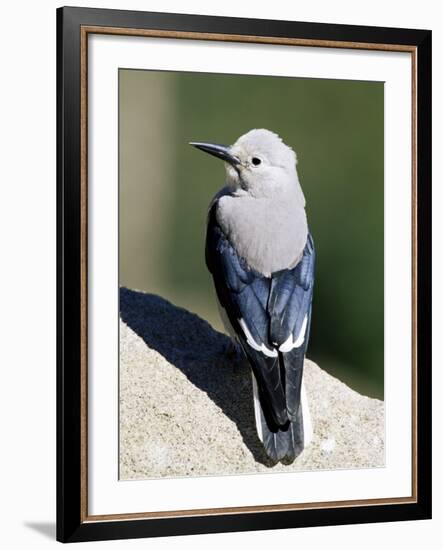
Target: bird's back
point(269, 234)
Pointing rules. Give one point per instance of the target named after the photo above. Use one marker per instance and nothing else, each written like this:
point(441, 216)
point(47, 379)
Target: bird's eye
point(256, 161)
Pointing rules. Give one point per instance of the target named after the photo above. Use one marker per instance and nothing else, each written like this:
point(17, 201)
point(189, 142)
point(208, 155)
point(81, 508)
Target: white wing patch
point(290, 343)
point(266, 351)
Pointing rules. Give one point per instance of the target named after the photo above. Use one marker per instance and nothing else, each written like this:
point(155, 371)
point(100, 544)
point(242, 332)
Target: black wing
point(289, 310)
point(265, 312)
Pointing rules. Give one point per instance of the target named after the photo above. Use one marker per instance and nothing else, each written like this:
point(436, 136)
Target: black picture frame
point(72, 523)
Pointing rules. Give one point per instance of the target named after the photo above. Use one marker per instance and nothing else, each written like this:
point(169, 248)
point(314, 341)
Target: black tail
point(280, 442)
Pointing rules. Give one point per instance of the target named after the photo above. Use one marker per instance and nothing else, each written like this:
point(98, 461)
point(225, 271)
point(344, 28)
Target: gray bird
point(261, 256)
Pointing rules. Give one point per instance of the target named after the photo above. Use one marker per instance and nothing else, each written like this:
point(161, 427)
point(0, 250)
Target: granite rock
point(186, 403)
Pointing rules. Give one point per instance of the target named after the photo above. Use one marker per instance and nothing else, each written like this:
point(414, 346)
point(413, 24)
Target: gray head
point(259, 164)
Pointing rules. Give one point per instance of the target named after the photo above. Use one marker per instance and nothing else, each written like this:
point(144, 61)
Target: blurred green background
point(336, 128)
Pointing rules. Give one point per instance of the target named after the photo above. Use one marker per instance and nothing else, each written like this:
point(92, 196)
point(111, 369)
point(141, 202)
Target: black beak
point(219, 151)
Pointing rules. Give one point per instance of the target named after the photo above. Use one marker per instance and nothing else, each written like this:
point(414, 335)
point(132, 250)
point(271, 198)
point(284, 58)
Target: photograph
point(251, 274)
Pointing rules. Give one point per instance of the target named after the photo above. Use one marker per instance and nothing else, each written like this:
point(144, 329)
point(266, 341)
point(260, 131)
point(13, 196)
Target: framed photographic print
point(244, 274)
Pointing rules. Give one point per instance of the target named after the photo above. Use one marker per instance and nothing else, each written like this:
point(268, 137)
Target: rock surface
point(186, 408)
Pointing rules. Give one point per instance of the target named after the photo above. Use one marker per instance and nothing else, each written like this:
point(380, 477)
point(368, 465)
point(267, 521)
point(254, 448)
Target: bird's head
point(258, 163)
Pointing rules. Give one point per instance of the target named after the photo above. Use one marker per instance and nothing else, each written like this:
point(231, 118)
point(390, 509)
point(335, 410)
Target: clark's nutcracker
point(261, 257)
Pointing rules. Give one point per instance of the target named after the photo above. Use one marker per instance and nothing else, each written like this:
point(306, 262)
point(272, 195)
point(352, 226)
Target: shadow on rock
point(201, 353)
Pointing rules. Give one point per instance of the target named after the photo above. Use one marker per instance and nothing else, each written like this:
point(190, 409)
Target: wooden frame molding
point(85, 31)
